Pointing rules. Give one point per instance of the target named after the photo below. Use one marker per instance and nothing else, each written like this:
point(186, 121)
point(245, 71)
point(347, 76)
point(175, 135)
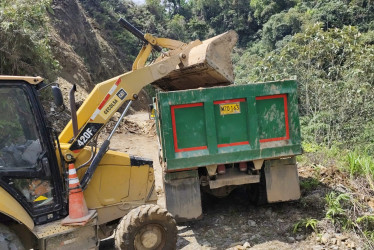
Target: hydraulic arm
point(108, 96)
point(183, 66)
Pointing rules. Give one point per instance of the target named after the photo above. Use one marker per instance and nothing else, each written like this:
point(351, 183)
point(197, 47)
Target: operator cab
point(28, 165)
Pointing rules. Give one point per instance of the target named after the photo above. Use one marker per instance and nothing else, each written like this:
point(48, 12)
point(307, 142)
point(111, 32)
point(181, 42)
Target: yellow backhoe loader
point(119, 188)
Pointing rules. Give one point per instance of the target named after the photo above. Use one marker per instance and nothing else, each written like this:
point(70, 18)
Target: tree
point(264, 9)
point(335, 74)
point(281, 25)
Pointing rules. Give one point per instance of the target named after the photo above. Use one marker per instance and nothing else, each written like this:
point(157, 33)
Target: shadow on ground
point(233, 220)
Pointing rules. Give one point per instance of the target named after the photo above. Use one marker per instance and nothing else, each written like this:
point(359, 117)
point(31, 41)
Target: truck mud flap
point(282, 180)
point(182, 193)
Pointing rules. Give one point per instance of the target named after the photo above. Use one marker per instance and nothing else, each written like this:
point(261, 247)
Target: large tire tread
point(257, 192)
point(9, 240)
point(142, 216)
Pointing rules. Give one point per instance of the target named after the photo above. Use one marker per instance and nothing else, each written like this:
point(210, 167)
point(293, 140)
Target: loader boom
point(108, 96)
point(196, 60)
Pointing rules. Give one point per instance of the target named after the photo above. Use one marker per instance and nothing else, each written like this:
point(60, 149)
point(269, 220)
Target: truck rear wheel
point(148, 227)
point(8, 239)
point(257, 192)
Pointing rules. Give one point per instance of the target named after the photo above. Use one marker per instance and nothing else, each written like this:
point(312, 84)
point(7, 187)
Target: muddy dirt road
point(233, 222)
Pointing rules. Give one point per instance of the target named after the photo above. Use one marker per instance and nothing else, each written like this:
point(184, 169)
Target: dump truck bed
point(229, 124)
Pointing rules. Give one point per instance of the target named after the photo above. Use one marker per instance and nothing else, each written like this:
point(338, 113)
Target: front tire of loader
point(9, 240)
point(148, 227)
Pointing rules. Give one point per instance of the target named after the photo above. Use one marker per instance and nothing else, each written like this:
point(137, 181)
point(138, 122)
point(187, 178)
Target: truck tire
point(148, 227)
point(9, 240)
point(257, 192)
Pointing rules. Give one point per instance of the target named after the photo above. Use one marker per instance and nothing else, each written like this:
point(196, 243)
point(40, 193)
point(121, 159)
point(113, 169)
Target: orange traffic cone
point(79, 214)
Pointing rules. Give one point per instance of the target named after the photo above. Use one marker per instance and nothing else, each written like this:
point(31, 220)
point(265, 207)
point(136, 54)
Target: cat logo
point(121, 94)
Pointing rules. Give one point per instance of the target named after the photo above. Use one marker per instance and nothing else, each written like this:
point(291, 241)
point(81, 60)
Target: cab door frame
point(47, 166)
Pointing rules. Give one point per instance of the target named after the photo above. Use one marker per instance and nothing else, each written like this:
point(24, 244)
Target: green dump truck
point(216, 139)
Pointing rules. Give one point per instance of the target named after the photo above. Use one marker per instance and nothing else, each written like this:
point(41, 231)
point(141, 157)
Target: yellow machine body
point(10, 207)
point(136, 184)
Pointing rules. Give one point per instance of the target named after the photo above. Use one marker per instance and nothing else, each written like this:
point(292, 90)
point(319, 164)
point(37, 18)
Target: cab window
point(20, 145)
point(21, 148)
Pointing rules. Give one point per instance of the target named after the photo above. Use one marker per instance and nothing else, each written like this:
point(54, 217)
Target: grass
point(369, 235)
point(309, 184)
point(338, 206)
point(307, 224)
point(367, 221)
point(348, 211)
point(366, 224)
point(360, 164)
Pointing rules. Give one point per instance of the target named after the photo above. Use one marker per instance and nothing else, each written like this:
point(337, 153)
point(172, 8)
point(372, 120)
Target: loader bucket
point(206, 65)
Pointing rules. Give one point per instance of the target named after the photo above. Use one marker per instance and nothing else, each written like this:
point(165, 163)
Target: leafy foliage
point(334, 203)
point(309, 184)
point(327, 45)
point(360, 164)
point(367, 220)
point(337, 209)
point(24, 43)
point(307, 224)
point(316, 43)
point(264, 9)
point(335, 80)
point(280, 26)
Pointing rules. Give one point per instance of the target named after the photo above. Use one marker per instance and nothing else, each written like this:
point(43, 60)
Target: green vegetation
point(360, 164)
point(343, 210)
point(333, 68)
point(336, 210)
point(328, 46)
point(24, 43)
point(309, 184)
point(367, 224)
point(307, 224)
point(106, 15)
point(347, 207)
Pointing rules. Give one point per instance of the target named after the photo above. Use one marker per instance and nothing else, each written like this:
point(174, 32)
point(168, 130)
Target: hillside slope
point(84, 54)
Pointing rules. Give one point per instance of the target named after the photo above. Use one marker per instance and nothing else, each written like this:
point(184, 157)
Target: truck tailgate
point(228, 124)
